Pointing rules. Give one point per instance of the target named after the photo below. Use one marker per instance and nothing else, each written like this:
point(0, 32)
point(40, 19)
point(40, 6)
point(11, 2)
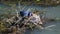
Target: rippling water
point(50, 28)
point(50, 11)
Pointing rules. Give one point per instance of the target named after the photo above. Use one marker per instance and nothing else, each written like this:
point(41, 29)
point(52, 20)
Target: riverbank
point(40, 3)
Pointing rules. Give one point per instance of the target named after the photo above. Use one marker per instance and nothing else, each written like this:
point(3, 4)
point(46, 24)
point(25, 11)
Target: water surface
point(51, 28)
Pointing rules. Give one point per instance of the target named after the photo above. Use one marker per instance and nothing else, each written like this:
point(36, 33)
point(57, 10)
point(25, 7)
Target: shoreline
point(31, 3)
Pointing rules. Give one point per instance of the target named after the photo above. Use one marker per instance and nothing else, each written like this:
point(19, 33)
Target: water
point(2, 7)
point(51, 12)
point(50, 28)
